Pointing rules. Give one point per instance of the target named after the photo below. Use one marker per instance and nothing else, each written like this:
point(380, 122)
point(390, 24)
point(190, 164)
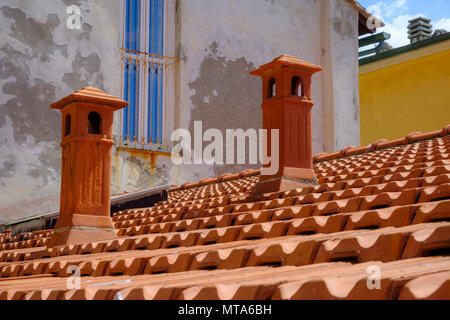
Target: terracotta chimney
point(87, 131)
point(287, 106)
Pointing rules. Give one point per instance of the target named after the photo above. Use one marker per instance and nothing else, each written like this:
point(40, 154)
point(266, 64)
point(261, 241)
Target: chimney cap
point(438, 32)
point(286, 61)
point(419, 25)
point(420, 29)
point(93, 95)
point(419, 33)
point(426, 20)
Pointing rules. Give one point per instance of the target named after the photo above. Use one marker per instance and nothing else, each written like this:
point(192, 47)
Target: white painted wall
point(323, 32)
point(218, 43)
point(340, 88)
point(41, 61)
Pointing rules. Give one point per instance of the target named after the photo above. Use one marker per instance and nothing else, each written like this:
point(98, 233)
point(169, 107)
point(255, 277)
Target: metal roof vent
point(438, 32)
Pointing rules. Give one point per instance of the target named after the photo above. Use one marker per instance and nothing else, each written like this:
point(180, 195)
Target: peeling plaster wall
point(134, 169)
point(233, 38)
point(221, 41)
point(340, 88)
point(344, 44)
point(41, 61)
point(217, 42)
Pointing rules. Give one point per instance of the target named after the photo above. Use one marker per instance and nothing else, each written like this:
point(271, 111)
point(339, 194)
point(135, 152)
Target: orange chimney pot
point(87, 140)
point(287, 106)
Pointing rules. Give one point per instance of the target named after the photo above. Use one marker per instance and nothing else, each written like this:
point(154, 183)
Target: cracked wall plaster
point(41, 61)
point(225, 88)
point(238, 35)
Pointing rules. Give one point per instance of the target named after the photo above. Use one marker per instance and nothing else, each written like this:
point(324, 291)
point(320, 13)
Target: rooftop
point(437, 38)
point(385, 205)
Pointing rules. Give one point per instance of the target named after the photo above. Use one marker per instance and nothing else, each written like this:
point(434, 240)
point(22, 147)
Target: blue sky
point(396, 13)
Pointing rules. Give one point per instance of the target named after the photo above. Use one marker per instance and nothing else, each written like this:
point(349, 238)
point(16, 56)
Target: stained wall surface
point(220, 42)
point(41, 61)
point(217, 44)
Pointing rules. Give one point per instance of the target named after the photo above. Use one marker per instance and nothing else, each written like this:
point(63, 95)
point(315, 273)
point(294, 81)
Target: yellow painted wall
point(399, 98)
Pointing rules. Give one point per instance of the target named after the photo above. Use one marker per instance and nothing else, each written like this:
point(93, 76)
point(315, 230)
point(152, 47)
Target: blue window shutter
point(155, 14)
point(127, 24)
point(126, 68)
point(155, 87)
point(131, 94)
point(162, 27)
point(152, 102)
point(158, 25)
point(131, 70)
point(132, 24)
point(161, 68)
point(160, 104)
point(154, 26)
point(136, 24)
point(133, 102)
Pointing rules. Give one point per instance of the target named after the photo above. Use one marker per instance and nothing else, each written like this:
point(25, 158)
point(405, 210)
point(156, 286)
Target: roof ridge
point(223, 177)
point(320, 157)
point(381, 144)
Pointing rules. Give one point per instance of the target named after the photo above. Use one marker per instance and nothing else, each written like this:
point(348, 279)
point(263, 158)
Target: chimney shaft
point(287, 107)
point(87, 140)
point(419, 29)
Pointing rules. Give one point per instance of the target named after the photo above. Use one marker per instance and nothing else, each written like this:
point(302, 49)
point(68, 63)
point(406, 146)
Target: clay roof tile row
point(381, 144)
point(384, 205)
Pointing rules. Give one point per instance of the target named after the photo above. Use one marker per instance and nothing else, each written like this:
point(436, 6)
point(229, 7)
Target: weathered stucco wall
point(340, 75)
point(217, 42)
point(221, 41)
point(41, 60)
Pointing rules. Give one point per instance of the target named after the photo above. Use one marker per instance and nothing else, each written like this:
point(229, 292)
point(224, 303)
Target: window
point(297, 87)
point(272, 89)
point(148, 65)
point(67, 126)
point(94, 123)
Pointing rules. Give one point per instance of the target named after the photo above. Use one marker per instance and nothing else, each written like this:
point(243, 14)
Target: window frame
point(167, 62)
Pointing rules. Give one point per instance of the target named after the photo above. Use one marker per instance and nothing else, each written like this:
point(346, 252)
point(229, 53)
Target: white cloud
point(383, 10)
point(398, 29)
point(444, 23)
point(395, 16)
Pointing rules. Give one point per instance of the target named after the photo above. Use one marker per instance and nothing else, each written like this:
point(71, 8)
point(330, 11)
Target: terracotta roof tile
point(432, 286)
point(386, 204)
point(350, 282)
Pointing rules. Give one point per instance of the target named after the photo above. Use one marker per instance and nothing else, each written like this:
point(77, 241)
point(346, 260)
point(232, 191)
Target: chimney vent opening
point(94, 123)
point(272, 88)
point(67, 126)
point(297, 87)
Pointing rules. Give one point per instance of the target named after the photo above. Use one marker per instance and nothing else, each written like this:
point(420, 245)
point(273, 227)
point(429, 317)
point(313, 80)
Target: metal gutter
point(405, 49)
point(378, 39)
point(138, 194)
point(9, 224)
point(139, 199)
point(362, 42)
